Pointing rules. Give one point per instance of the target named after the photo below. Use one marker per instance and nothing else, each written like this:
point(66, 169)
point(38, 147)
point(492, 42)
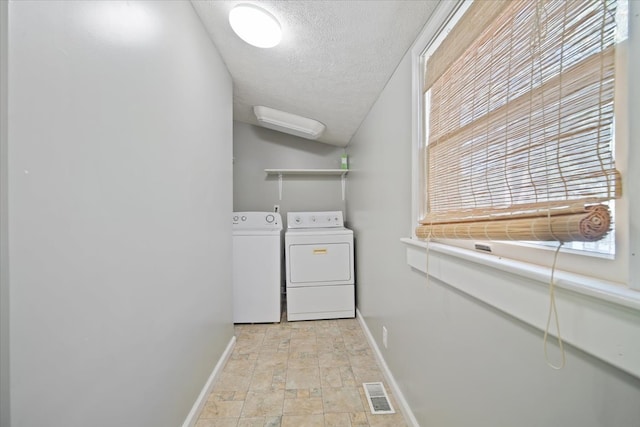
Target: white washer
point(257, 266)
point(319, 266)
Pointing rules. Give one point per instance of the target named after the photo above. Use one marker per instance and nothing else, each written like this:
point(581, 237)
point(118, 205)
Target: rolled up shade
point(520, 127)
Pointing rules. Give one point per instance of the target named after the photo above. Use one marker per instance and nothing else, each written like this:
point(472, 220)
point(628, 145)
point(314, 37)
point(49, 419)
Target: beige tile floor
point(297, 374)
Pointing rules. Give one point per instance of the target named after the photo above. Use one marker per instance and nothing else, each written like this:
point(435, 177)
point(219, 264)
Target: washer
point(257, 260)
point(319, 266)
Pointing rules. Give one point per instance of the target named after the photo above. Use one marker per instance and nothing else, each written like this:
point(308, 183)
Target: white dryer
point(319, 266)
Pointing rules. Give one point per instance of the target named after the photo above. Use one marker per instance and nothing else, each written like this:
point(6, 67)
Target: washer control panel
point(257, 220)
point(328, 219)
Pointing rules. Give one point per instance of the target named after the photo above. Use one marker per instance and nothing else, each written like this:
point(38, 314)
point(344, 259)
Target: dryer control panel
point(328, 219)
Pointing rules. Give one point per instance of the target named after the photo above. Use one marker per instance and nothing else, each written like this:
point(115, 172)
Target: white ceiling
point(334, 59)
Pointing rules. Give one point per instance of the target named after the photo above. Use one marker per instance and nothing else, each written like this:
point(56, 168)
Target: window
point(520, 124)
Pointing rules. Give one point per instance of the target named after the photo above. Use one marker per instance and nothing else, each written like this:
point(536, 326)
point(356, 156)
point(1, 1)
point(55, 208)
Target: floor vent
point(378, 398)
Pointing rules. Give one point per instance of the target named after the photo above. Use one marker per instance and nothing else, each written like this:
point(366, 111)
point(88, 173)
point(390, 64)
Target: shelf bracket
point(324, 172)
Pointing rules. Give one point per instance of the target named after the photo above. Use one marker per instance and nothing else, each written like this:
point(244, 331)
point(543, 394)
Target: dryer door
point(327, 263)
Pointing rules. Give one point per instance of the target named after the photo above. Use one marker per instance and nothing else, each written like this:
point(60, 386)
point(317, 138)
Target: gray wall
point(256, 149)
point(633, 185)
point(4, 226)
point(120, 148)
point(457, 361)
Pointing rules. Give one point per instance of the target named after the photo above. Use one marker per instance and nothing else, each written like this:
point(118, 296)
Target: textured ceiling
point(334, 59)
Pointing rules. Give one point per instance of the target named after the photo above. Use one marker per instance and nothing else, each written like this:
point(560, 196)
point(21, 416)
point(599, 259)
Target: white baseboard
point(192, 418)
point(395, 390)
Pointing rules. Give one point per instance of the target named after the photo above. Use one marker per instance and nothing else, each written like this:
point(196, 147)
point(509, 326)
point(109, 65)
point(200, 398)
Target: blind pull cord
point(553, 310)
point(427, 260)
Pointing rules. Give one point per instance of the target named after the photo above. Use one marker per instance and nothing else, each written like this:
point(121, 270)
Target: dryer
point(319, 260)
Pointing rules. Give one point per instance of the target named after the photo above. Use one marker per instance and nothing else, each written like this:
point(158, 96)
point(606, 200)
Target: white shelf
point(308, 172)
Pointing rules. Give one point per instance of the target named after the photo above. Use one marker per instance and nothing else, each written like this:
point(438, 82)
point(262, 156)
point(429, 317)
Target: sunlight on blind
point(521, 128)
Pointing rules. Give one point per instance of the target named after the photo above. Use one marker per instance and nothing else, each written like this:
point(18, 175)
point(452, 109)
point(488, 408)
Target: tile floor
point(297, 374)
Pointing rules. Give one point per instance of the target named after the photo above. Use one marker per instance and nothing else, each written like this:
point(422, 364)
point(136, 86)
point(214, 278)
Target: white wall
point(120, 147)
point(458, 361)
point(256, 149)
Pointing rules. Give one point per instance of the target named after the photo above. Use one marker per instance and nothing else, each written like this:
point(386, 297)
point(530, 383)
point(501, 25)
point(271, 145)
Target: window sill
point(600, 318)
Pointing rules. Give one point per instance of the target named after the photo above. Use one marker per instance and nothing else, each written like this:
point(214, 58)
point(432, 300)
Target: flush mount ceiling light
point(288, 123)
point(255, 25)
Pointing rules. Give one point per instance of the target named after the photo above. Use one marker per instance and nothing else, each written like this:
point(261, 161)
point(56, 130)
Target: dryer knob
point(235, 218)
point(270, 218)
point(244, 218)
point(298, 220)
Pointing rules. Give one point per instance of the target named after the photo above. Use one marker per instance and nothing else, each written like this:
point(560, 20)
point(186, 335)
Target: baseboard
point(192, 418)
point(395, 390)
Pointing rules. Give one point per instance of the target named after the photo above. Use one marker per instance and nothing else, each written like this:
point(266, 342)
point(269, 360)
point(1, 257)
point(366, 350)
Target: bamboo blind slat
point(478, 17)
point(524, 211)
point(591, 225)
point(522, 121)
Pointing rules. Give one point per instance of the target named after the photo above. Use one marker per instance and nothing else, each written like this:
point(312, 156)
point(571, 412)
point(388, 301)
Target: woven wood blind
point(479, 15)
point(520, 143)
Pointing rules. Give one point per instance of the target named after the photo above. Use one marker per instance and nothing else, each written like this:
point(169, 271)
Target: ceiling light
point(288, 123)
point(255, 25)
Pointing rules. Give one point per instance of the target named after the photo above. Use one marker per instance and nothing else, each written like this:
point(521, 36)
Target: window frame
point(588, 264)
